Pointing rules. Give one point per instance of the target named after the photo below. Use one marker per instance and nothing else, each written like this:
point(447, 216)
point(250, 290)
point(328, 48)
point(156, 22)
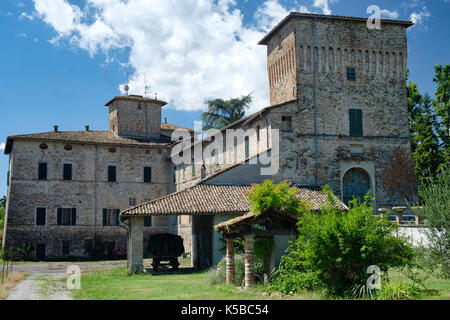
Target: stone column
point(229, 259)
point(249, 260)
point(136, 245)
point(399, 214)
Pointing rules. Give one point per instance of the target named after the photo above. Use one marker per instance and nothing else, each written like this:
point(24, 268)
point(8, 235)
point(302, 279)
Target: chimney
point(87, 128)
point(55, 127)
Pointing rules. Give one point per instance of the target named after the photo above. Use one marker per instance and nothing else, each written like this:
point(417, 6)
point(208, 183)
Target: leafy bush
point(295, 282)
point(397, 291)
point(436, 204)
point(270, 197)
point(338, 246)
point(218, 275)
point(120, 252)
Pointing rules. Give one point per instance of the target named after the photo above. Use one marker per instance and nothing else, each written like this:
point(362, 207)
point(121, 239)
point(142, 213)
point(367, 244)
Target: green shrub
point(397, 291)
point(218, 275)
point(339, 246)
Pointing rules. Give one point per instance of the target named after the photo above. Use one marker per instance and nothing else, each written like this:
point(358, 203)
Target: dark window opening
point(147, 221)
point(247, 147)
point(41, 214)
point(351, 75)
point(356, 125)
point(67, 171)
point(147, 174)
point(132, 201)
point(112, 173)
point(286, 123)
point(67, 217)
point(88, 246)
point(65, 248)
point(111, 217)
point(42, 172)
point(193, 167)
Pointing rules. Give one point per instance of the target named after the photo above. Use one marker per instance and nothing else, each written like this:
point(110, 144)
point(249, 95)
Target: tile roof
point(264, 40)
point(94, 137)
point(136, 98)
point(214, 199)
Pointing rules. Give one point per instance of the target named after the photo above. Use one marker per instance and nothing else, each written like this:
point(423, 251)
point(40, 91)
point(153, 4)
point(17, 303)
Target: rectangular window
point(193, 167)
point(147, 221)
point(286, 123)
point(42, 172)
point(111, 217)
point(174, 174)
point(247, 147)
point(147, 174)
point(351, 74)
point(112, 173)
point(65, 248)
point(356, 126)
point(41, 216)
point(67, 217)
point(132, 201)
point(67, 171)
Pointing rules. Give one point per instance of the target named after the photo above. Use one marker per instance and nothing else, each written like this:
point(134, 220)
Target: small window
point(42, 172)
point(193, 167)
point(112, 173)
point(67, 171)
point(174, 174)
point(286, 123)
point(111, 217)
point(65, 248)
point(356, 125)
point(247, 147)
point(41, 216)
point(147, 221)
point(132, 201)
point(147, 174)
point(351, 74)
point(67, 216)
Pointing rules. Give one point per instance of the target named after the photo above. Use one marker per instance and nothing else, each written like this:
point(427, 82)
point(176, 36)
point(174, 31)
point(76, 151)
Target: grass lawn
point(115, 284)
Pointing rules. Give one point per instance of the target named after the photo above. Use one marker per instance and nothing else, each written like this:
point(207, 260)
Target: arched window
point(356, 183)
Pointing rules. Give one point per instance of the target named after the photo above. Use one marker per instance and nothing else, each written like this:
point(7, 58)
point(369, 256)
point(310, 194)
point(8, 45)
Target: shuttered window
point(67, 217)
point(351, 75)
point(41, 214)
point(42, 172)
point(147, 174)
point(112, 173)
point(67, 171)
point(286, 123)
point(111, 217)
point(147, 221)
point(356, 126)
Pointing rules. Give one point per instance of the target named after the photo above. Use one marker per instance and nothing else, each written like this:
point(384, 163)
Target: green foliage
point(2, 217)
point(436, 212)
point(442, 105)
point(224, 112)
point(397, 291)
point(269, 197)
point(263, 247)
point(295, 282)
point(218, 275)
point(339, 246)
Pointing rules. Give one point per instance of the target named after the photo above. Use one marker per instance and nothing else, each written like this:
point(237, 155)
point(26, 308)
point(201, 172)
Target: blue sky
point(61, 60)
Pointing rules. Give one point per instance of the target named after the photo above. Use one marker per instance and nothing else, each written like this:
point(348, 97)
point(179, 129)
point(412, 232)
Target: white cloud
point(389, 14)
point(420, 16)
point(24, 15)
point(2, 146)
point(324, 5)
point(190, 50)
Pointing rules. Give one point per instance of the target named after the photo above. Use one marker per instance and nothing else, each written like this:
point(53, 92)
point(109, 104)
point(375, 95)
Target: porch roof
point(215, 199)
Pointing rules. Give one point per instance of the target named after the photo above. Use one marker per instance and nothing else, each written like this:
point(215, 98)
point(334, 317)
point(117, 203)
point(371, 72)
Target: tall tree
point(414, 108)
point(426, 156)
point(442, 106)
point(224, 112)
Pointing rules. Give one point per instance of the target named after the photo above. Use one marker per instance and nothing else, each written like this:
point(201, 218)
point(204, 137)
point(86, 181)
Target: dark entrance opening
point(356, 183)
point(110, 252)
point(40, 251)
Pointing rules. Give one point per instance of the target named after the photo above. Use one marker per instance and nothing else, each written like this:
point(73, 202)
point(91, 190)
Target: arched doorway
point(356, 183)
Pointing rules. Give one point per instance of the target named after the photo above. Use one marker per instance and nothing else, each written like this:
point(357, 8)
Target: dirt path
point(47, 281)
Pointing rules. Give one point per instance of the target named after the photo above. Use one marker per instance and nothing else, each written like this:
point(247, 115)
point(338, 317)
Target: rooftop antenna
point(145, 86)
point(156, 96)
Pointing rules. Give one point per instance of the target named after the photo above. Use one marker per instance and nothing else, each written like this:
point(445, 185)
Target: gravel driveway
point(47, 281)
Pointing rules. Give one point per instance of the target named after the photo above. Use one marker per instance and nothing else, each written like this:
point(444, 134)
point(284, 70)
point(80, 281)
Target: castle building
point(338, 111)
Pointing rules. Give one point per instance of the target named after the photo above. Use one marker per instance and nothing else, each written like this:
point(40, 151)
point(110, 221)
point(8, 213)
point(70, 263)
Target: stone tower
point(135, 117)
